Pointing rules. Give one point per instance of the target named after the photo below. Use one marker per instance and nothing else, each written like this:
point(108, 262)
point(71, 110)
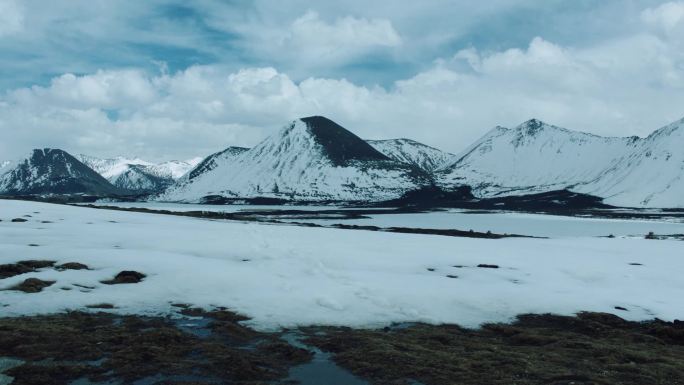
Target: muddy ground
point(215, 348)
point(204, 347)
point(591, 348)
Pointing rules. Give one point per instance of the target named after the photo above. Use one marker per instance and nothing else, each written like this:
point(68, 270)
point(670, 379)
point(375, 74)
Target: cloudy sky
point(166, 79)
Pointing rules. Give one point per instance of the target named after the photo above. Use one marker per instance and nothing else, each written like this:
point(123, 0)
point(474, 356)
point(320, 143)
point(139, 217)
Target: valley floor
point(284, 276)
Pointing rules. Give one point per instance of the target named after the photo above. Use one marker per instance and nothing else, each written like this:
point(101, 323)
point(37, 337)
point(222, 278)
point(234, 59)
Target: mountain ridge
point(315, 159)
point(409, 151)
point(137, 175)
point(54, 171)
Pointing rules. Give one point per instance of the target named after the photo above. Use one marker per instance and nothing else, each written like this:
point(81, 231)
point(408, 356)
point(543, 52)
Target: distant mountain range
point(139, 176)
point(315, 159)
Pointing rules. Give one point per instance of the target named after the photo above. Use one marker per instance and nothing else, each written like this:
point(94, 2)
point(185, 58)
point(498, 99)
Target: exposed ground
point(592, 348)
point(213, 347)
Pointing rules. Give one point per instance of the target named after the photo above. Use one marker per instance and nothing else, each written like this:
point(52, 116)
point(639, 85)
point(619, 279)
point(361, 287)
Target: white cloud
point(11, 17)
point(668, 16)
point(312, 42)
point(345, 34)
point(623, 86)
point(104, 89)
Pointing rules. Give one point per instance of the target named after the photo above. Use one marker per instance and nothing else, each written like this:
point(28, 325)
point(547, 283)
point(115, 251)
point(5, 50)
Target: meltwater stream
point(321, 369)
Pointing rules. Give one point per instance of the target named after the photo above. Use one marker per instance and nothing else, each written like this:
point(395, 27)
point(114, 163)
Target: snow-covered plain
point(498, 222)
point(181, 207)
point(537, 225)
point(288, 275)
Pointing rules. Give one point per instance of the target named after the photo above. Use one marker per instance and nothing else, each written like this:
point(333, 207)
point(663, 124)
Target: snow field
point(284, 276)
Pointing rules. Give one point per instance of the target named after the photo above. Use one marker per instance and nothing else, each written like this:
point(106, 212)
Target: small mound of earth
point(32, 285)
point(23, 267)
point(72, 266)
point(126, 276)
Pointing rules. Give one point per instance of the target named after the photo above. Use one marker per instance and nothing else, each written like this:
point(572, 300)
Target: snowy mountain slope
point(174, 169)
point(532, 157)
point(650, 175)
point(310, 159)
point(138, 175)
point(53, 171)
point(141, 179)
point(5, 166)
point(210, 162)
point(409, 151)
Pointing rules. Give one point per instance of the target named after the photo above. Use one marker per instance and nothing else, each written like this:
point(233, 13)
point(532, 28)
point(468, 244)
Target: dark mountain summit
point(340, 145)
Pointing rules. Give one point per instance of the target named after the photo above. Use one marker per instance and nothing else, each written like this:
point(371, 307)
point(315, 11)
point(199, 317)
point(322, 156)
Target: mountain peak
point(339, 144)
point(53, 171)
point(532, 127)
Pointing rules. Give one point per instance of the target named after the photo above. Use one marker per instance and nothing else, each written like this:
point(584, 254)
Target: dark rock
point(452, 276)
point(22, 267)
point(32, 285)
point(37, 263)
point(101, 306)
point(486, 266)
point(72, 266)
point(430, 269)
point(636, 264)
point(12, 269)
point(621, 308)
point(19, 220)
point(126, 276)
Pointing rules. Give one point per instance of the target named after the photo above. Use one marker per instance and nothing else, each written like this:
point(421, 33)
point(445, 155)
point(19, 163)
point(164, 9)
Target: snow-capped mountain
point(537, 157)
point(409, 151)
point(309, 159)
point(137, 175)
point(530, 158)
point(53, 171)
